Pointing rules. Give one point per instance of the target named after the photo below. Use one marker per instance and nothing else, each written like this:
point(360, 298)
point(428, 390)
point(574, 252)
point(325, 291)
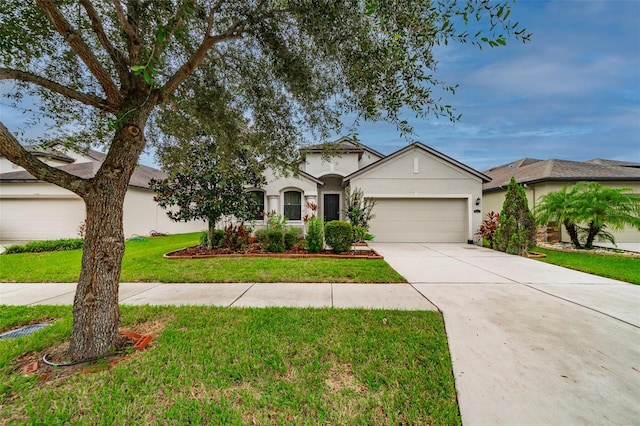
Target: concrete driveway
point(531, 343)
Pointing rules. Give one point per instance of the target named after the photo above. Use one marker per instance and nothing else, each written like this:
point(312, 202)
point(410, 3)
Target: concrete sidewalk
point(531, 343)
point(376, 296)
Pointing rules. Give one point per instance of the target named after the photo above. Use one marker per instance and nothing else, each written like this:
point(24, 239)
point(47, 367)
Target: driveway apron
point(531, 343)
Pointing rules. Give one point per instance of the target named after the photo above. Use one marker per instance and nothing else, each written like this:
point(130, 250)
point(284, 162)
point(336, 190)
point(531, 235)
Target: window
point(258, 199)
point(293, 205)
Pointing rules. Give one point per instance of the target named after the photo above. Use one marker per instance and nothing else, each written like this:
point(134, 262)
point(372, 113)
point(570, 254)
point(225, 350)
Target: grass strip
point(143, 262)
point(243, 366)
point(617, 267)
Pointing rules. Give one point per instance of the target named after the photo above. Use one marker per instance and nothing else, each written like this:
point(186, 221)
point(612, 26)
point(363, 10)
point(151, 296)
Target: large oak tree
point(104, 71)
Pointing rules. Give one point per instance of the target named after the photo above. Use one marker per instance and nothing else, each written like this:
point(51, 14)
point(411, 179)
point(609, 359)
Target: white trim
point(468, 197)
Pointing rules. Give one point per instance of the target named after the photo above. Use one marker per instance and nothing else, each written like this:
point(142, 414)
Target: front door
point(331, 207)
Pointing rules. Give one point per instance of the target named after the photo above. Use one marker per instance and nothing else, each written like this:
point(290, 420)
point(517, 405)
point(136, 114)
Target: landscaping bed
point(257, 250)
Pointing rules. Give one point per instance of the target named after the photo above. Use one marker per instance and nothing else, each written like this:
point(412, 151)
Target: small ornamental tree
point(358, 210)
point(208, 185)
point(516, 233)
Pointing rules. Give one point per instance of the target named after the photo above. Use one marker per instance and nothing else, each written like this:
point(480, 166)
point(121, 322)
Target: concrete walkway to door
point(531, 343)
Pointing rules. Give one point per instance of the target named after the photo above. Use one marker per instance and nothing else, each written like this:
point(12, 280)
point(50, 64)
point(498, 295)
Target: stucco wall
point(417, 174)
point(343, 165)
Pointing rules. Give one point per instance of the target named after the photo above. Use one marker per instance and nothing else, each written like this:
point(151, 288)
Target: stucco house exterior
point(421, 194)
point(31, 209)
point(540, 177)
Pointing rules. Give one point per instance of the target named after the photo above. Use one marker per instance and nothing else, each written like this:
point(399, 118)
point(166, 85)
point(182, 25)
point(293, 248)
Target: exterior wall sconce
point(478, 201)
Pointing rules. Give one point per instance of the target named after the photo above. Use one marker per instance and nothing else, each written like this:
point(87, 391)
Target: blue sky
point(572, 92)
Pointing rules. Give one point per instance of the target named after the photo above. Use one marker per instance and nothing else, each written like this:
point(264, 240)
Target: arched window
point(293, 205)
point(258, 197)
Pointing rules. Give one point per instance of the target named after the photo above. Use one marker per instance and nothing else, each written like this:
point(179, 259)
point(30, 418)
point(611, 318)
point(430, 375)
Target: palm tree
point(598, 207)
point(602, 207)
point(557, 206)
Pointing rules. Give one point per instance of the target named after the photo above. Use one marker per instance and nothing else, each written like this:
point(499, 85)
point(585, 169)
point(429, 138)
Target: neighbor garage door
point(41, 219)
point(420, 220)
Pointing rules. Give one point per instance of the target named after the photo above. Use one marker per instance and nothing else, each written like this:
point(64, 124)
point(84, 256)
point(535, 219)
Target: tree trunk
point(96, 313)
point(212, 227)
point(593, 232)
point(573, 234)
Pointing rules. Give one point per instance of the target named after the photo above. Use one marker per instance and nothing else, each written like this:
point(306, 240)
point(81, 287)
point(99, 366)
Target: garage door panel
point(24, 219)
point(420, 220)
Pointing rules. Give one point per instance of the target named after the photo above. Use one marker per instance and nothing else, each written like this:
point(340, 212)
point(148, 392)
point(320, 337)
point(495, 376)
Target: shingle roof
point(534, 171)
point(140, 178)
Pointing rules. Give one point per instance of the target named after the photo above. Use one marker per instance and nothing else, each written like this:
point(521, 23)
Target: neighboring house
point(540, 177)
point(421, 194)
point(31, 209)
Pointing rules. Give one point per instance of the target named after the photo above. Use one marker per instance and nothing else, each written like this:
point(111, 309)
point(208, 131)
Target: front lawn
point(143, 262)
point(617, 267)
point(212, 365)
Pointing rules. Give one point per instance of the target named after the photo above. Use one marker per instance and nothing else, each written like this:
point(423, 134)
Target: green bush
point(218, 235)
point(338, 235)
point(260, 235)
point(291, 237)
point(274, 241)
point(46, 245)
point(314, 235)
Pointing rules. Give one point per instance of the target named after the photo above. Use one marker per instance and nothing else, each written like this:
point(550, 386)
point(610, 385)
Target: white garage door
point(41, 219)
point(420, 220)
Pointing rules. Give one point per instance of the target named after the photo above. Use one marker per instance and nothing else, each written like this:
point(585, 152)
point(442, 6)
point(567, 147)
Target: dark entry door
point(331, 207)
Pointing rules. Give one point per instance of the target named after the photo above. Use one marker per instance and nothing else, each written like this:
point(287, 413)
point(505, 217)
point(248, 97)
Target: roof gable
point(344, 145)
point(425, 149)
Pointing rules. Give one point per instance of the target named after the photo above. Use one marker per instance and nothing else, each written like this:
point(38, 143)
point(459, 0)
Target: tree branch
point(82, 50)
point(91, 100)
point(233, 32)
point(132, 35)
point(117, 57)
point(11, 148)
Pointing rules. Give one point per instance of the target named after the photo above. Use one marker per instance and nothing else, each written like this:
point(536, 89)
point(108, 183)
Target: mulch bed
point(256, 250)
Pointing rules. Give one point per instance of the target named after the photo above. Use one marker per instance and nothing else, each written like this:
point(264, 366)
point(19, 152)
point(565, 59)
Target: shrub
point(338, 235)
point(291, 237)
point(277, 221)
point(218, 234)
point(236, 237)
point(46, 245)
point(314, 235)
point(516, 233)
point(260, 235)
point(358, 210)
point(488, 227)
point(274, 241)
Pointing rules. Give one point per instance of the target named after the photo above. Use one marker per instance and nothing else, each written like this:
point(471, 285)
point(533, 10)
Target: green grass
point(143, 261)
point(214, 365)
point(616, 267)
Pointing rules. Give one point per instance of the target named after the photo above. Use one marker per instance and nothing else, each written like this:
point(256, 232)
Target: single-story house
point(421, 194)
point(540, 177)
point(31, 209)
